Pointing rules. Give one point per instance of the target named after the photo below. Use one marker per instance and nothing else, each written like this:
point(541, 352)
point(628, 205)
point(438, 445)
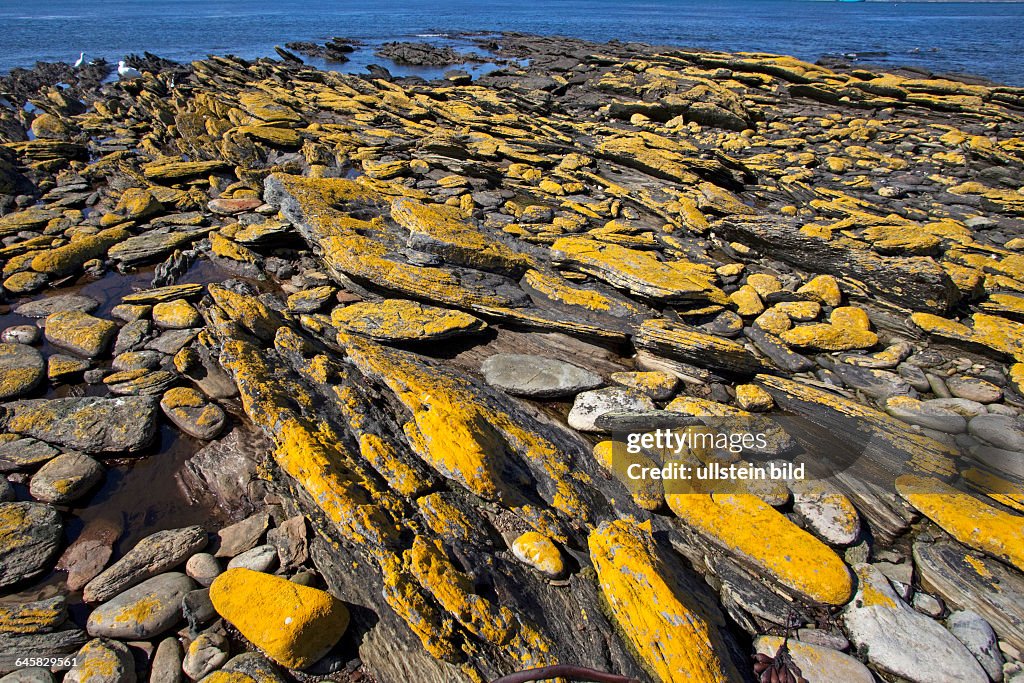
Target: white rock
point(590, 405)
point(903, 642)
point(977, 635)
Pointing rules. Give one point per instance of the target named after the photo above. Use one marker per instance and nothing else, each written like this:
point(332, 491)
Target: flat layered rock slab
point(41, 308)
point(401, 320)
point(537, 377)
point(969, 580)
point(30, 534)
point(90, 424)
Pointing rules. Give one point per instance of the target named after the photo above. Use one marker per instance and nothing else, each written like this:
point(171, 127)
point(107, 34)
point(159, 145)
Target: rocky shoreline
point(407, 324)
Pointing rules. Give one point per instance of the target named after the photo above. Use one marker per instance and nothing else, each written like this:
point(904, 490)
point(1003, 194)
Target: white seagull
point(81, 60)
point(125, 71)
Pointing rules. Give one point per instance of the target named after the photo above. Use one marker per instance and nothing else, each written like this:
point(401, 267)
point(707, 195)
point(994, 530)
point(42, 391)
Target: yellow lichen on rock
point(743, 525)
point(966, 518)
point(676, 634)
point(538, 551)
point(294, 625)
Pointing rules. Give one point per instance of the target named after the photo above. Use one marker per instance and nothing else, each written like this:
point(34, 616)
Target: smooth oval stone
point(144, 611)
point(21, 370)
point(66, 478)
point(21, 334)
point(537, 377)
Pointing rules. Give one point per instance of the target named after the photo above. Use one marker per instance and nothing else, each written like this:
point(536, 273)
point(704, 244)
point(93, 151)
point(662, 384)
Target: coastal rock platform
point(397, 331)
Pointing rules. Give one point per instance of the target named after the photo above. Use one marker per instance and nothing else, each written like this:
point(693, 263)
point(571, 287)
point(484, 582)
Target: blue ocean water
point(984, 38)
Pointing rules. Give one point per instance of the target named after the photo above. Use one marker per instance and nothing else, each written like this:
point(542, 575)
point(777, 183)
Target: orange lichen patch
point(382, 456)
point(454, 591)
point(229, 249)
point(348, 245)
point(1005, 337)
point(294, 625)
point(747, 301)
point(444, 227)
point(445, 519)
point(66, 259)
point(647, 493)
point(873, 590)
point(435, 629)
point(744, 525)
point(315, 463)
point(824, 289)
point(828, 337)
point(247, 311)
point(32, 617)
point(674, 631)
point(966, 518)
point(558, 289)
point(459, 435)
point(404, 320)
point(996, 488)
point(538, 551)
point(639, 271)
point(656, 384)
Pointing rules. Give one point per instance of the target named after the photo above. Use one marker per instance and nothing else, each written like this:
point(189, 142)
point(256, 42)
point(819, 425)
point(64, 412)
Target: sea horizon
point(975, 38)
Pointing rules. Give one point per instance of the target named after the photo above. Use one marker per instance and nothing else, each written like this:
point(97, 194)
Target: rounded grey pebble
point(20, 334)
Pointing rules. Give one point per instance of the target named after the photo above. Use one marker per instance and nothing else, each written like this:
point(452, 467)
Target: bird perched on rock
point(81, 60)
point(125, 71)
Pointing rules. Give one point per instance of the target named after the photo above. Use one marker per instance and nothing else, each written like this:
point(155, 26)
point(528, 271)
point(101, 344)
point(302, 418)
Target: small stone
point(63, 368)
point(311, 300)
point(25, 282)
point(753, 398)
point(289, 537)
point(42, 308)
point(927, 604)
point(262, 558)
point(203, 568)
point(89, 553)
point(79, 332)
point(537, 377)
point(25, 453)
point(150, 556)
point(590, 405)
point(132, 336)
point(192, 413)
point(205, 654)
point(102, 661)
point(294, 625)
point(144, 611)
point(659, 386)
point(828, 337)
point(197, 608)
point(815, 636)
point(21, 370)
point(37, 616)
point(971, 629)
point(66, 478)
point(539, 552)
point(176, 315)
point(817, 663)
point(136, 202)
point(166, 665)
point(243, 535)
point(827, 512)
point(924, 414)
point(974, 389)
point(229, 207)
point(20, 334)
point(824, 289)
point(140, 382)
point(999, 430)
point(136, 360)
point(130, 312)
point(30, 534)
